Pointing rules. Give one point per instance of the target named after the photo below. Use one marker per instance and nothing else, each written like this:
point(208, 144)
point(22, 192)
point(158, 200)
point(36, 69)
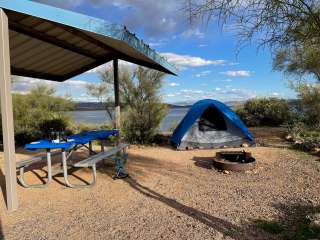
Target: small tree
point(140, 97)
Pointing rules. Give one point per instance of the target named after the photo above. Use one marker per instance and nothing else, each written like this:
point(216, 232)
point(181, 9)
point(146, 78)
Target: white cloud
point(75, 83)
point(109, 64)
point(23, 85)
point(240, 73)
point(203, 73)
point(154, 18)
point(170, 95)
point(84, 99)
point(193, 33)
point(191, 91)
point(233, 63)
point(173, 84)
point(203, 45)
point(184, 61)
point(227, 80)
point(275, 94)
point(221, 93)
point(155, 42)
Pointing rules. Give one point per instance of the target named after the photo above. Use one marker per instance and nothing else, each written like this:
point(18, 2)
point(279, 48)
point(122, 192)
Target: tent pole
point(7, 115)
point(116, 93)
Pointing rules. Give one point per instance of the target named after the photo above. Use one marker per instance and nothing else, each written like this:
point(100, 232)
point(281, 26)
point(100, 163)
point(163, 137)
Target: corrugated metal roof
point(55, 44)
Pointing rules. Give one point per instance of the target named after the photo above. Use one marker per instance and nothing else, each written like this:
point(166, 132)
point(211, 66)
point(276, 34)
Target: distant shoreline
point(95, 106)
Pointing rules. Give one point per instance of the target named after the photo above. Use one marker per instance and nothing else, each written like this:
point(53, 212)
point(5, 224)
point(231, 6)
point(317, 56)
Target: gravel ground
point(170, 195)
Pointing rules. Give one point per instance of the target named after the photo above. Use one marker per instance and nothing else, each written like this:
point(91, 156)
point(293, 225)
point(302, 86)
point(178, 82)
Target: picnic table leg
point(49, 165)
point(26, 185)
point(90, 148)
point(65, 174)
point(102, 145)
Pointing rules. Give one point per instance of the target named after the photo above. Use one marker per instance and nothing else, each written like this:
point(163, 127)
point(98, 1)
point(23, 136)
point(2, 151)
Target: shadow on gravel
point(217, 224)
point(291, 223)
point(141, 166)
point(204, 162)
point(3, 186)
point(4, 194)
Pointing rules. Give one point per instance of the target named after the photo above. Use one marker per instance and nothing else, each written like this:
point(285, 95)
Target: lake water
point(174, 116)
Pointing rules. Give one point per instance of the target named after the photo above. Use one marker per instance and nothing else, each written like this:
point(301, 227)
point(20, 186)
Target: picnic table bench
point(22, 165)
point(117, 153)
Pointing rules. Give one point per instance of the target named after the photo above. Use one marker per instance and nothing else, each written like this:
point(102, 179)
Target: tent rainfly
point(210, 124)
point(45, 42)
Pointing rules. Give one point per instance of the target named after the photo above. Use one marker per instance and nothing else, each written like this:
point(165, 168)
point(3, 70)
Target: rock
point(314, 219)
point(316, 150)
point(245, 145)
point(218, 236)
point(289, 137)
point(298, 141)
point(226, 172)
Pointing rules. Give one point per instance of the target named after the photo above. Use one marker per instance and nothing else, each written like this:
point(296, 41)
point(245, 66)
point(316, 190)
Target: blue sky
point(206, 55)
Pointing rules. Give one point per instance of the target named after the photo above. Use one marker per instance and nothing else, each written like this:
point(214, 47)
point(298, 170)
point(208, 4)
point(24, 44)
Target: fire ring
point(234, 161)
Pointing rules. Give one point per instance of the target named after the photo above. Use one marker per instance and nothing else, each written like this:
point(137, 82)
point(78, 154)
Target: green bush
point(35, 113)
point(264, 112)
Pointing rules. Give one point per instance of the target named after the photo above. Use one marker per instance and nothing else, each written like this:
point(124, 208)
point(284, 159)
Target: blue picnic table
point(65, 148)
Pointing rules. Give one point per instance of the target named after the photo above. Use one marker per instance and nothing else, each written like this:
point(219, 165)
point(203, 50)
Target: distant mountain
point(89, 106)
point(95, 106)
point(190, 103)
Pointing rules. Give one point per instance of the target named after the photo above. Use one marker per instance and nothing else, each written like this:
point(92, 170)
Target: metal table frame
point(65, 155)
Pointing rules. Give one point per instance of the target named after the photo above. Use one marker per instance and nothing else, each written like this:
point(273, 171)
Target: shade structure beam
point(7, 115)
point(33, 74)
point(31, 32)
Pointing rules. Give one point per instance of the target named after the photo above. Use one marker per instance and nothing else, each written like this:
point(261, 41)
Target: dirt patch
point(170, 195)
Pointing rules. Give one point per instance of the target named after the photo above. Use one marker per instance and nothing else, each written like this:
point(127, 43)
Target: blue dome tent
point(210, 124)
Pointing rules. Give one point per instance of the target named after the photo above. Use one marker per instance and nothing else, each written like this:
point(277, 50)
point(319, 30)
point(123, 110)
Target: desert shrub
point(83, 126)
point(304, 130)
point(140, 98)
point(142, 126)
point(308, 103)
point(140, 92)
point(264, 112)
point(304, 137)
point(38, 111)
